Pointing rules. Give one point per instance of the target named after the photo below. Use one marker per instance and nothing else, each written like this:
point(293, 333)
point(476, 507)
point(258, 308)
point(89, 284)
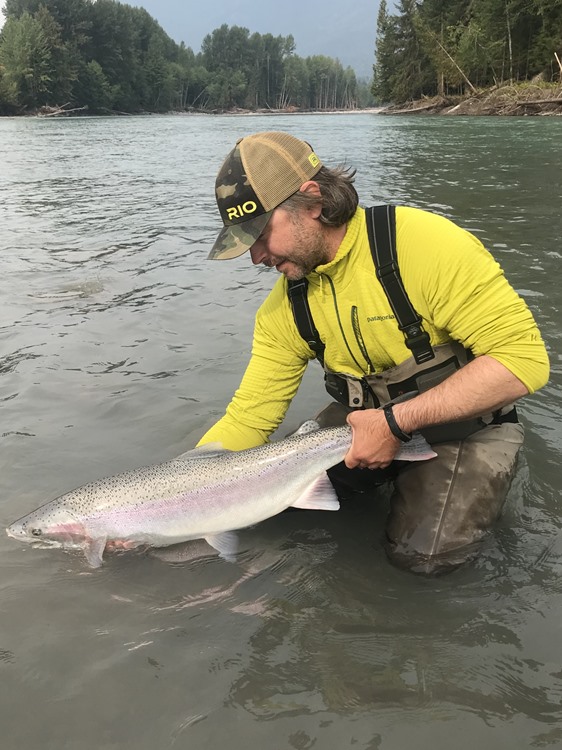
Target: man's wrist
point(393, 425)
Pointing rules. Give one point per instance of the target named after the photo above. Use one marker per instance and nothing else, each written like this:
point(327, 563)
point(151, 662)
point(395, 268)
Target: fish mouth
point(35, 542)
point(45, 544)
point(19, 534)
point(43, 536)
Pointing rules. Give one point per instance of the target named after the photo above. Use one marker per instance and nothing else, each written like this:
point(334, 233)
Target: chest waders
point(441, 509)
point(428, 366)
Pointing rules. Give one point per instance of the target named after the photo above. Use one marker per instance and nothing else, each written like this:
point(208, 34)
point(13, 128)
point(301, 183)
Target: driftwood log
point(61, 111)
point(540, 101)
point(409, 110)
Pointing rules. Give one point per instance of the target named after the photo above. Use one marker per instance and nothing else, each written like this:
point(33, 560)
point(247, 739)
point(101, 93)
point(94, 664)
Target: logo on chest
point(376, 318)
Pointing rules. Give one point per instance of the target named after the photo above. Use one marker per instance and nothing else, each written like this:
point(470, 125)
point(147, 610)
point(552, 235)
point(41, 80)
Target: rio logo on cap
point(243, 209)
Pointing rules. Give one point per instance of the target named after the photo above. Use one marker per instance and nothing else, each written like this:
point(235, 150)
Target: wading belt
point(381, 229)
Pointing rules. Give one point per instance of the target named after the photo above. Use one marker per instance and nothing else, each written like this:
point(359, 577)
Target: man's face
point(293, 242)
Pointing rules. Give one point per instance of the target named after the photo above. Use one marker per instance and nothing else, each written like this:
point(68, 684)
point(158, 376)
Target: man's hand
point(373, 445)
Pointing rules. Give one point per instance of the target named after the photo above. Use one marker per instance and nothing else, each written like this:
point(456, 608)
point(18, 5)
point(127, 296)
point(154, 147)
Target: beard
point(311, 250)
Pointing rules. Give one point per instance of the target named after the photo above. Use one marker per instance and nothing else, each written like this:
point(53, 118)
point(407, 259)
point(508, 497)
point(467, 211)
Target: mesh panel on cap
point(276, 165)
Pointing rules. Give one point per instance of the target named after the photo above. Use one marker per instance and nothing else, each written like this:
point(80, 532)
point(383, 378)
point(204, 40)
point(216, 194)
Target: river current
point(120, 344)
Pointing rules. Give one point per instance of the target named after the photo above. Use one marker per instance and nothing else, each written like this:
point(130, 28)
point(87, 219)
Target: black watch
point(393, 425)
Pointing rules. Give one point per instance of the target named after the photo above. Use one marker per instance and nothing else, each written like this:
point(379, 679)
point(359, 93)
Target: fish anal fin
point(226, 544)
point(320, 495)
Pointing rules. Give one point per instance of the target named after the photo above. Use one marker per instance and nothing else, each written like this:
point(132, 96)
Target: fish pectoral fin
point(93, 550)
point(320, 495)
point(226, 544)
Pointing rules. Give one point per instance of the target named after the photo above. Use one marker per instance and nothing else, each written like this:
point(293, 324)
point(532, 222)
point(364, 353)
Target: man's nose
point(258, 253)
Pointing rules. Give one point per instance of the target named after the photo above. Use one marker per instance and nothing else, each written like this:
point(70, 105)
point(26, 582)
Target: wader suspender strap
point(381, 228)
point(298, 297)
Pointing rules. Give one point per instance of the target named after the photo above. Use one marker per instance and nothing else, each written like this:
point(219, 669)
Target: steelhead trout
point(206, 494)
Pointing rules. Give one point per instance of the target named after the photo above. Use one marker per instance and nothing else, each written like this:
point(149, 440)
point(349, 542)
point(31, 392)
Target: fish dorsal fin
point(311, 425)
point(203, 451)
point(320, 495)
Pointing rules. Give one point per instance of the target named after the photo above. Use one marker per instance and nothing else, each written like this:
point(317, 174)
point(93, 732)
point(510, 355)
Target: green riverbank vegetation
point(470, 56)
point(79, 56)
point(61, 57)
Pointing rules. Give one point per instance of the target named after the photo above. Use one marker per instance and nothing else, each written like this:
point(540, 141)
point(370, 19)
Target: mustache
point(272, 262)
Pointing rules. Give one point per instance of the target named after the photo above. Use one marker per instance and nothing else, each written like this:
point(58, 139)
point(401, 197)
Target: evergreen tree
point(548, 39)
point(65, 59)
point(105, 55)
point(25, 58)
point(296, 83)
point(94, 88)
point(386, 45)
point(414, 73)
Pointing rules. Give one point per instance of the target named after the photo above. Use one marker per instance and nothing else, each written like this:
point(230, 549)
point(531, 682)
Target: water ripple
point(120, 345)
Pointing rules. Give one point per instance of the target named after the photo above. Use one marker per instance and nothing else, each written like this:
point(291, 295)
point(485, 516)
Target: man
point(407, 312)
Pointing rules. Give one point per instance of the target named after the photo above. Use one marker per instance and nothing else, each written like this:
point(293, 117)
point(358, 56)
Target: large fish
point(204, 494)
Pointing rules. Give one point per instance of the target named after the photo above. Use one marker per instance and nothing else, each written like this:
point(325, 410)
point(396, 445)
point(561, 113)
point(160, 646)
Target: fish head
point(49, 526)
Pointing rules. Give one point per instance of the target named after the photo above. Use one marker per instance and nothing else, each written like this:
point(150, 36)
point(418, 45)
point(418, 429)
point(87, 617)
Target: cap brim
point(237, 238)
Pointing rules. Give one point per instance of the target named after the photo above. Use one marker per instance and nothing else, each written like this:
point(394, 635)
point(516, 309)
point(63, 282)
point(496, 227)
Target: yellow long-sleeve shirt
point(453, 282)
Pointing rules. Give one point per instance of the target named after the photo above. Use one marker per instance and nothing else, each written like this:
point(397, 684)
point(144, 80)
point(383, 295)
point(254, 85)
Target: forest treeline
point(106, 56)
point(444, 47)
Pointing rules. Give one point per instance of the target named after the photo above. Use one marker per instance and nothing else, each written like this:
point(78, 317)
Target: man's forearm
point(482, 386)
point(479, 388)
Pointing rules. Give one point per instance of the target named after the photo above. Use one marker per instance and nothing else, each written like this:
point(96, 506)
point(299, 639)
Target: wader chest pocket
point(424, 381)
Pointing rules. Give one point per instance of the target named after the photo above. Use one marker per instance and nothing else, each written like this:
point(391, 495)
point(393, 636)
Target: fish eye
point(36, 532)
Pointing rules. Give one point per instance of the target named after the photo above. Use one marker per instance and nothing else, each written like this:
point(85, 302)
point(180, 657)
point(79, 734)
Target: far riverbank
point(522, 99)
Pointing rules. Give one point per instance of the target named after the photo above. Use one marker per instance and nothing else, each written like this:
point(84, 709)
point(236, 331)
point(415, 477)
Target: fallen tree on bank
point(510, 99)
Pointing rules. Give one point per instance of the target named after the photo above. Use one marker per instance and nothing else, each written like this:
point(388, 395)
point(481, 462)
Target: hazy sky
point(319, 27)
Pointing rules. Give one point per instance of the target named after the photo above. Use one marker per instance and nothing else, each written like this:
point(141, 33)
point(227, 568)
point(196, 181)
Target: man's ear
point(310, 186)
point(313, 189)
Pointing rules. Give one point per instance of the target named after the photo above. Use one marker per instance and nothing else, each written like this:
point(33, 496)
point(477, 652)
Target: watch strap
point(397, 431)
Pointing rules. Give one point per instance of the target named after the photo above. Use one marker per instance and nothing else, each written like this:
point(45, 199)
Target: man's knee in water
point(411, 560)
point(441, 510)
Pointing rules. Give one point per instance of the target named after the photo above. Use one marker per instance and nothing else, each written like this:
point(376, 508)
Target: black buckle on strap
point(388, 269)
point(418, 342)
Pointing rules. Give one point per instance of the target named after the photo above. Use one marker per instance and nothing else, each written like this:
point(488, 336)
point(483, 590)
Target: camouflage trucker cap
point(260, 172)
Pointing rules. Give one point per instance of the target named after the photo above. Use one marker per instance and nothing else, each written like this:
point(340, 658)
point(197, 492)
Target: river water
point(120, 345)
